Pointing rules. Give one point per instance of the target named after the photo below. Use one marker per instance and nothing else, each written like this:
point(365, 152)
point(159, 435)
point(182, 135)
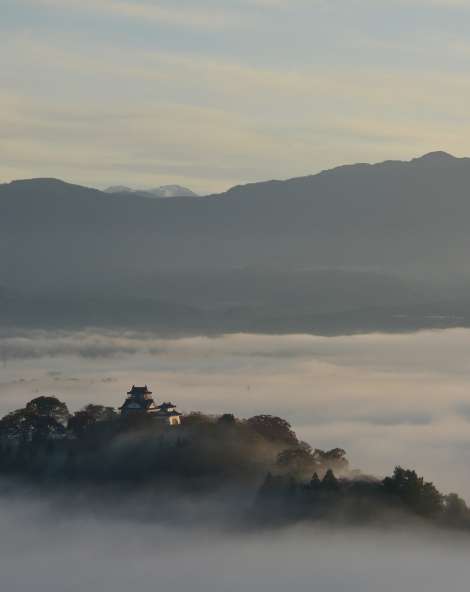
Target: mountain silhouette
point(395, 230)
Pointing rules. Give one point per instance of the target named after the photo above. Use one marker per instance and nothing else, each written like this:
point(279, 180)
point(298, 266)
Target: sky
point(386, 399)
point(213, 93)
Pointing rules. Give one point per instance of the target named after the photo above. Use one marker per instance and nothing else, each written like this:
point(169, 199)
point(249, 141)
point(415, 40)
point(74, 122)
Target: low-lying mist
point(54, 546)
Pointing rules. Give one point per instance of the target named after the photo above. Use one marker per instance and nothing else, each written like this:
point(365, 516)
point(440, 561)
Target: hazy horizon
point(210, 94)
point(108, 186)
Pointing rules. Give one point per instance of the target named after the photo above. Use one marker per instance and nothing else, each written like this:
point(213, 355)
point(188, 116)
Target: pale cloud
point(120, 103)
point(150, 11)
point(131, 545)
point(441, 3)
point(157, 116)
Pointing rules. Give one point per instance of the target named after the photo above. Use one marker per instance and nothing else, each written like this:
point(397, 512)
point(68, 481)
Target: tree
point(267, 485)
point(331, 459)
point(456, 511)
point(330, 482)
point(196, 418)
point(100, 413)
point(420, 496)
point(273, 428)
point(90, 415)
point(227, 419)
point(315, 482)
point(28, 429)
point(306, 446)
point(296, 461)
point(80, 422)
point(18, 425)
point(49, 407)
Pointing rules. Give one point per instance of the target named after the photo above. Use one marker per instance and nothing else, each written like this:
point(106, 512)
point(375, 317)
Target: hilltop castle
point(140, 401)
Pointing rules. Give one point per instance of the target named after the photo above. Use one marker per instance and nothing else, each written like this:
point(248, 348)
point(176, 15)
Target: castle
point(140, 401)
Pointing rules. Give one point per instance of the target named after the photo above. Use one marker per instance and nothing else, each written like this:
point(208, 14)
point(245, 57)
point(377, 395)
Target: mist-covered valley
point(47, 544)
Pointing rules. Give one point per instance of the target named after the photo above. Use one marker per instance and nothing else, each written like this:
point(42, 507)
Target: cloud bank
point(45, 546)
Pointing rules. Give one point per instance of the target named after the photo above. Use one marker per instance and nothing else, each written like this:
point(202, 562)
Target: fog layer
point(47, 550)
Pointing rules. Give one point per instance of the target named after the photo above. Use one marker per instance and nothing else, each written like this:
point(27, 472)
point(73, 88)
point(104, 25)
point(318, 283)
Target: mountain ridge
point(403, 219)
point(438, 156)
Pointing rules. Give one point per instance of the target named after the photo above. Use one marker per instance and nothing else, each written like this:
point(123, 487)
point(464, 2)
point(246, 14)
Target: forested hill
point(380, 246)
point(260, 460)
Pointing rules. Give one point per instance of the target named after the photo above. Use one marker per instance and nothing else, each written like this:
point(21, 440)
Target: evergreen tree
point(330, 482)
point(315, 482)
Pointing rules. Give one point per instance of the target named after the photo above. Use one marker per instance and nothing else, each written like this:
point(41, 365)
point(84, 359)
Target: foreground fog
point(386, 399)
point(43, 549)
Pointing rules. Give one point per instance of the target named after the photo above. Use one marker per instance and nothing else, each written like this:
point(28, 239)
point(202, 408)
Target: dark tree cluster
point(96, 444)
point(359, 500)
point(300, 461)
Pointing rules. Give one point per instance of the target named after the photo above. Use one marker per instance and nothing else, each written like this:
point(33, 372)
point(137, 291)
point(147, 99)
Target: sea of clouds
point(387, 399)
point(47, 547)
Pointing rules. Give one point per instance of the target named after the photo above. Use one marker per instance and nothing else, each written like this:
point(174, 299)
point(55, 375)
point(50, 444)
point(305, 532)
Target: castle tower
point(167, 412)
point(139, 400)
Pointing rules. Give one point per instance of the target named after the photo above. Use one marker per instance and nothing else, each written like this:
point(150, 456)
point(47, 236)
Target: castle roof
point(139, 399)
point(143, 404)
point(167, 409)
point(139, 390)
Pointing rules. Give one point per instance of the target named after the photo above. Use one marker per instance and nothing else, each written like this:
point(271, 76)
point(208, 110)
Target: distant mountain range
point(355, 247)
point(160, 192)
